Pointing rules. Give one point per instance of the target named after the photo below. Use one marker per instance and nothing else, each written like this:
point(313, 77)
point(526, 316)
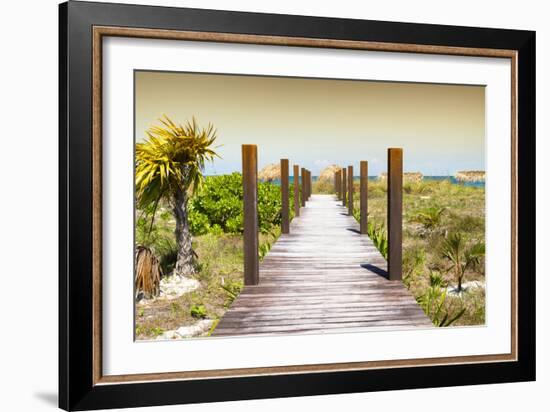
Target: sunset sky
point(317, 122)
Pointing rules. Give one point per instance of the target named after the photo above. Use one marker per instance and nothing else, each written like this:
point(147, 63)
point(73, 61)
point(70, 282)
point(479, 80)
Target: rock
point(470, 176)
point(169, 334)
point(172, 287)
point(466, 287)
point(198, 329)
point(408, 177)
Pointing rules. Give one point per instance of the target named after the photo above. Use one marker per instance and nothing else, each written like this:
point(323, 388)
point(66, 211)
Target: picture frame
point(82, 28)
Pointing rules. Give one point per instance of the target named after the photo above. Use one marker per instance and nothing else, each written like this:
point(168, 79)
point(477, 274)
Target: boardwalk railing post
point(337, 184)
point(344, 186)
point(250, 214)
point(350, 190)
point(363, 197)
point(285, 223)
point(309, 183)
point(303, 186)
point(395, 213)
point(296, 190)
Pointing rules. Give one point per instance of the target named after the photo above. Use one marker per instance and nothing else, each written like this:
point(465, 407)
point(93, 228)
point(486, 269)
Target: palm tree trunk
point(185, 262)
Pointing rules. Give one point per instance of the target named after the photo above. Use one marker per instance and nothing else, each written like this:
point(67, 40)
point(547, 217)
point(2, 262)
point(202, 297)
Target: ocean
point(452, 179)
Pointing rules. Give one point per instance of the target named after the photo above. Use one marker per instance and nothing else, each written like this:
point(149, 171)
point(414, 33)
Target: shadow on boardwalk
point(322, 277)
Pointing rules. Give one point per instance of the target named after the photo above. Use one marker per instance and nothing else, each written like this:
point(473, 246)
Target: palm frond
point(172, 158)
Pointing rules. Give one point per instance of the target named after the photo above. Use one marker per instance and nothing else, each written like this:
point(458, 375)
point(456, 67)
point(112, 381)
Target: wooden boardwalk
point(322, 277)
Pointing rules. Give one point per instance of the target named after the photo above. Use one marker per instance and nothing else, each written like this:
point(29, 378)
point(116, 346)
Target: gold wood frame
point(101, 31)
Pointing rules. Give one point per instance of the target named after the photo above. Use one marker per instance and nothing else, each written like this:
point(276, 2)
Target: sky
point(318, 122)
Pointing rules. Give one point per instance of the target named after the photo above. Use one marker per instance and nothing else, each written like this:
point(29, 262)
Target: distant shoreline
point(452, 179)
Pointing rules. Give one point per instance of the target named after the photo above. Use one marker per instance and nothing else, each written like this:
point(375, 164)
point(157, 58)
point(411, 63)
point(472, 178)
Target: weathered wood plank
point(324, 276)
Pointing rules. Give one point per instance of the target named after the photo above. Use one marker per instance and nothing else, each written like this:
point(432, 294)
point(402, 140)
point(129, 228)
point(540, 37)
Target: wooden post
point(285, 223)
point(344, 186)
point(395, 213)
point(296, 190)
point(350, 190)
point(363, 197)
point(304, 178)
point(340, 184)
point(303, 186)
point(336, 184)
point(250, 214)
point(309, 183)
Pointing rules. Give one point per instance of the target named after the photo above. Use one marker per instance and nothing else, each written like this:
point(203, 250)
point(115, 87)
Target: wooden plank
point(250, 214)
point(395, 213)
point(296, 191)
point(324, 326)
point(363, 197)
point(322, 277)
point(350, 190)
point(285, 219)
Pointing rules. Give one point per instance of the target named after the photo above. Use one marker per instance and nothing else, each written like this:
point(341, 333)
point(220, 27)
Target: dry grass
point(465, 213)
point(220, 273)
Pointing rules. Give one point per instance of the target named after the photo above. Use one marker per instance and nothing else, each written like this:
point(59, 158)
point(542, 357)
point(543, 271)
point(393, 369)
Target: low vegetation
point(443, 246)
point(215, 219)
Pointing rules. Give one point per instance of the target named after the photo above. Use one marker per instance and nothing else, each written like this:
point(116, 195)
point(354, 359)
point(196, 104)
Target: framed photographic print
point(256, 205)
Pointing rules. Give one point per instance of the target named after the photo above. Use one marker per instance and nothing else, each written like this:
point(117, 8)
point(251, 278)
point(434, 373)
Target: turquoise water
point(436, 178)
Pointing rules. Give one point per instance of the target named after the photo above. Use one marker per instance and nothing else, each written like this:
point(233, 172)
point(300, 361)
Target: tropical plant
point(379, 237)
point(265, 246)
point(433, 302)
point(169, 164)
point(198, 311)
point(232, 290)
point(413, 262)
point(461, 257)
point(148, 273)
point(159, 238)
point(430, 217)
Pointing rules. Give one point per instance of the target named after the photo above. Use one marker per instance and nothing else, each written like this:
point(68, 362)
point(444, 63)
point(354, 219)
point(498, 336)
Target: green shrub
point(198, 311)
point(198, 222)
point(218, 205)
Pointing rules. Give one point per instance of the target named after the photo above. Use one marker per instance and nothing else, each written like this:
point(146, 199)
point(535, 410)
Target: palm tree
point(460, 256)
point(169, 165)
